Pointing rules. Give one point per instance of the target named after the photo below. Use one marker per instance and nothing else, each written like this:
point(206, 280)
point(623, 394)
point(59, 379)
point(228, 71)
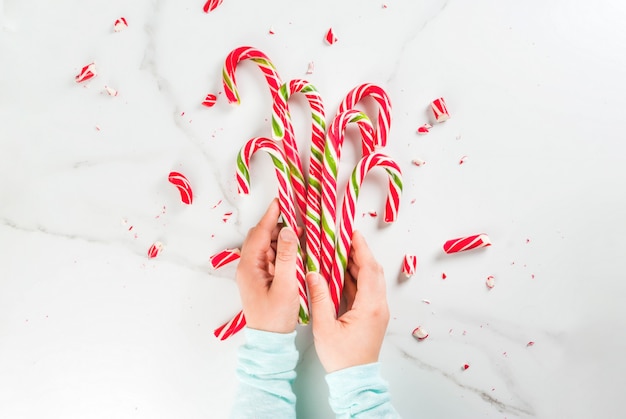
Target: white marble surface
point(91, 328)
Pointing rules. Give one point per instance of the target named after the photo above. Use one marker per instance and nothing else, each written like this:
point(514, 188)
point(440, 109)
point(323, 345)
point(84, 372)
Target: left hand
point(266, 275)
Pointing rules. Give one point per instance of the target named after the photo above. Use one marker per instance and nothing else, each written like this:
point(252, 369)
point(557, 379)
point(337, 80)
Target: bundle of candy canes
point(328, 226)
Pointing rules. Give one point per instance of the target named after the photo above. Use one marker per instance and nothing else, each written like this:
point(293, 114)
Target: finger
point(270, 218)
point(370, 279)
point(322, 307)
point(349, 290)
point(286, 259)
point(275, 231)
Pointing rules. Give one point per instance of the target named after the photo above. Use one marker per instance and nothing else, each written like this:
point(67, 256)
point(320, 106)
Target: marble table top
point(90, 327)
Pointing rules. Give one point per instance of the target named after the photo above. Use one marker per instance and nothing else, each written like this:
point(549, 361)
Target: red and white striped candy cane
point(308, 197)
point(287, 210)
point(332, 155)
point(348, 212)
point(384, 103)
point(248, 53)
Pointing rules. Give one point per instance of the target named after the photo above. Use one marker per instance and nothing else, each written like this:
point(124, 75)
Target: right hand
point(355, 338)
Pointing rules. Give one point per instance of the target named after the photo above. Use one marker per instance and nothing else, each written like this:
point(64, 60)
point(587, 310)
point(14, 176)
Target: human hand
point(355, 338)
point(266, 275)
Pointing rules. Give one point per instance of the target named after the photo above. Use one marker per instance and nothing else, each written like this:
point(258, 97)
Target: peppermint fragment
point(420, 333)
point(490, 282)
point(224, 257)
point(330, 37)
point(110, 91)
point(424, 129)
point(184, 187)
point(155, 249)
point(310, 68)
point(86, 73)
point(120, 24)
point(209, 100)
point(211, 5)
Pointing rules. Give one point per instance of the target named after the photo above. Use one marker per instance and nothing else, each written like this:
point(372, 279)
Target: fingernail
point(287, 235)
point(313, 278)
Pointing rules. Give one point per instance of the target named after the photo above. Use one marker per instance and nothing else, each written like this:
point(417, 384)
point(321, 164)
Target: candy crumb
point(310, 68)
point(443, 275)
point(531, 343)
point(155, 249)
point(209, 100)
point(418, 162)
point(330, 37)
point(419, 333)
point(110, 91)
point(424, 129)
point(462, 160)
point(465, 367)
point(272, 31)
point(120, 24)
point(490, 282)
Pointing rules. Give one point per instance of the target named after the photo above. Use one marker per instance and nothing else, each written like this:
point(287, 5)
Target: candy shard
point(86, 73)
point(183, 185)
point(209, 100)
point(490, 282)
point(271, 31)
point(310, 68)
point(330, 37)
point(409, 265)
point(224, 257)
point(420, 333)
point(155, 249)
point(418, 162)
point(466, 243)
point(211, 5)
point(440, 110)
point(110, 91)
point(465, 366)
point(227, 216)
point(120, 24)
point(424, 129)
point(531, 343)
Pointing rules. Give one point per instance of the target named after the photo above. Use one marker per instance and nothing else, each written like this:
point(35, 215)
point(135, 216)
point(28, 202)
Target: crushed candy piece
point(440, 110)
point(224, 257)
point(531, 343)
point(183, 185)
point(155, 249)
point(372, 214)
point(424, 129)
point(217, 205)
point(310, 68)
point(330, 37)
point(86, 73)
point(226, 216)
point(425, 301)
point(466, 243)
point(420, 333)
point(110, 91)
point(209, 100)
point(409, 265)
point(120, 24)
point(97, 127)
point(462, 160)
point(491, 282)
point(443, 275)
point(271, 31)
point(465, 366)
point(418, 162)
point(210, 5)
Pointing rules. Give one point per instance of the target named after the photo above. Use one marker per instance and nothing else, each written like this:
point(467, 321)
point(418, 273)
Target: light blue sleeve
point(360, 392)
point(266, 370)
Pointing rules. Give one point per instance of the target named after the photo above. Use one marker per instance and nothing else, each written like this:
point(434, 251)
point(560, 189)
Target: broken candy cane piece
point(462, 160)
point(86, 73)
point(491, 282)
point(272, 31)
point(424, 129)
point(443, 275)
point(183, 185)
point(224, 257)
point(330, 37)
point(310, 68)
point(211, 5)
point(465, 366)
point(110, 91)
point(209, 100)
point(531, 343)
point(466, 243)
point(420, 333)
point(409, 265)
point(418, 162)
point(120, 24)
point(440, 111)
point(155, 249)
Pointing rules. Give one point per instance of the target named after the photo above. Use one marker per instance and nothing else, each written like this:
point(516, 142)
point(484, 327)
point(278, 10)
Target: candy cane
point(332, 155)
point(287, 210)
point(384, 113)
point(307, 198)
point(247, 53)
point(348, 211)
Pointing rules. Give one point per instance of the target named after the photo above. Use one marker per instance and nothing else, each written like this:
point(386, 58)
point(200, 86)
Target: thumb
point(322, 307)
point(286, 256)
